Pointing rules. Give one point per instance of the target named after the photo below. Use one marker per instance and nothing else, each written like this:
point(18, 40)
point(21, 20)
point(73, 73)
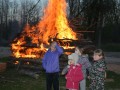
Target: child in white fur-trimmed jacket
point(74, 56)
point(82, 59)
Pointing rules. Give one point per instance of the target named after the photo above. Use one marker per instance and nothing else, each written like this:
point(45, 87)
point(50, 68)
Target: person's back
point(83, 59)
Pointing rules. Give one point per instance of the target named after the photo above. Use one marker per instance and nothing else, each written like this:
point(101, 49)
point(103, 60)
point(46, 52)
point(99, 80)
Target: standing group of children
point(78, 64)
point(75, 71)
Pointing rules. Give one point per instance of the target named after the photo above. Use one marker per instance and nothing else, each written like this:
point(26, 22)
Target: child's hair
point(80, 49)
point(99, 52)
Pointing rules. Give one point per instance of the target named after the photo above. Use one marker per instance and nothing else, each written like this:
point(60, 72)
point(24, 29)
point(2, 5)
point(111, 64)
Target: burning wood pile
point(27, 66)
point(34, 39)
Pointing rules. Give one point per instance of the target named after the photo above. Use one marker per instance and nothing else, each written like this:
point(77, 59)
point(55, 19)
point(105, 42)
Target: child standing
point(74, 75)
point(97, 71)
point(50, 63)
point(83, 59)
point(73, 56)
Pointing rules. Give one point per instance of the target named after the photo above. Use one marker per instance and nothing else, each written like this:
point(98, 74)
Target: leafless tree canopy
point(83, 15)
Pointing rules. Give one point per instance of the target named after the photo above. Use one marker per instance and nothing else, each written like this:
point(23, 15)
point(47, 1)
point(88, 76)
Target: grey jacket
point(85, 63)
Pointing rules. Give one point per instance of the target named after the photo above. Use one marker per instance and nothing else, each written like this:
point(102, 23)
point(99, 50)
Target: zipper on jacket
point(73, 84)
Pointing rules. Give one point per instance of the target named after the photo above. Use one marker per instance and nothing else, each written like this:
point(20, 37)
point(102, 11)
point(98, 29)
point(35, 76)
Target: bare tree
point(4, 11)
point(75, 7)
point(30, 11)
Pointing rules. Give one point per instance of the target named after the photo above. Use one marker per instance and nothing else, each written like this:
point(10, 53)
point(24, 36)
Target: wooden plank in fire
point(85, 31)
point(34, 60)
point(64, 42)
point(66, 39)
point(22, 61)
point(30, 45)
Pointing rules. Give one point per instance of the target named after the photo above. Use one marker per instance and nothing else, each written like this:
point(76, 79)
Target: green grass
point(5, 59)
point(116, 81)
point(12, 80)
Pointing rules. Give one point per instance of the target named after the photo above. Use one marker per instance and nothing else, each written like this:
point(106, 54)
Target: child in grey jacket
point(83, 59)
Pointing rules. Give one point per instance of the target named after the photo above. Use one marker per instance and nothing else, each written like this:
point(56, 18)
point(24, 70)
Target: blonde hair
point(99, 52)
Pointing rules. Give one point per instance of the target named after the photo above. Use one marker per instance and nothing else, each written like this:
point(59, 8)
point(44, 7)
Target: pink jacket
point(74, 76)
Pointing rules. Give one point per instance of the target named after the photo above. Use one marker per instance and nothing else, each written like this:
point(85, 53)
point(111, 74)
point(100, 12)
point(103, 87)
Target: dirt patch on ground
point(114, 67)
point(5, 52)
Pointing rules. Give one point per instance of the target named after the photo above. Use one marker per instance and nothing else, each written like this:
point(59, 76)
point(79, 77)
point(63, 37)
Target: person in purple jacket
point(50, 63)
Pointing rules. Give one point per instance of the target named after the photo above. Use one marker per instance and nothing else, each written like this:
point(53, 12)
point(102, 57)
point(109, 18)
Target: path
point(113, 61)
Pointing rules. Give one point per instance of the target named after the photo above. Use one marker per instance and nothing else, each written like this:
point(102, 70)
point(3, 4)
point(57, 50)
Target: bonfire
point(34, 40)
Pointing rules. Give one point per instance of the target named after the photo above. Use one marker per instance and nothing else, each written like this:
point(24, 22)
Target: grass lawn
point(12, 80)
point(115, 84)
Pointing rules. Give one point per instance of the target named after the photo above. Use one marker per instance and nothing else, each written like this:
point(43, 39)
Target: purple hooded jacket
point(50, 61)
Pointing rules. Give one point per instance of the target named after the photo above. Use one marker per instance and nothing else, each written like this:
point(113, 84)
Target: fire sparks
point(54, 24)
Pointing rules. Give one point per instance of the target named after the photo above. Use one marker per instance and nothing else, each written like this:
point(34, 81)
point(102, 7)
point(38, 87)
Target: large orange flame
point(54, 24)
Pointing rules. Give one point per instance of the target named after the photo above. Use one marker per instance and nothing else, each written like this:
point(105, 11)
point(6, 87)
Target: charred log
point(30, 45)
point(35, 68)
point(29, 73)
point(35, 60)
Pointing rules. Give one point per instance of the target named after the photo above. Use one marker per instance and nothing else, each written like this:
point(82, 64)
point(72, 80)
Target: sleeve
point(44, 62)
point(87, 63)
point(68, 75)
point(65, 70)
point(59, 49)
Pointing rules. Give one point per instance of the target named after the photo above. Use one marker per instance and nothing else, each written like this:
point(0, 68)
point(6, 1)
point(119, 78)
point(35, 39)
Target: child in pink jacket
point(74, 76)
